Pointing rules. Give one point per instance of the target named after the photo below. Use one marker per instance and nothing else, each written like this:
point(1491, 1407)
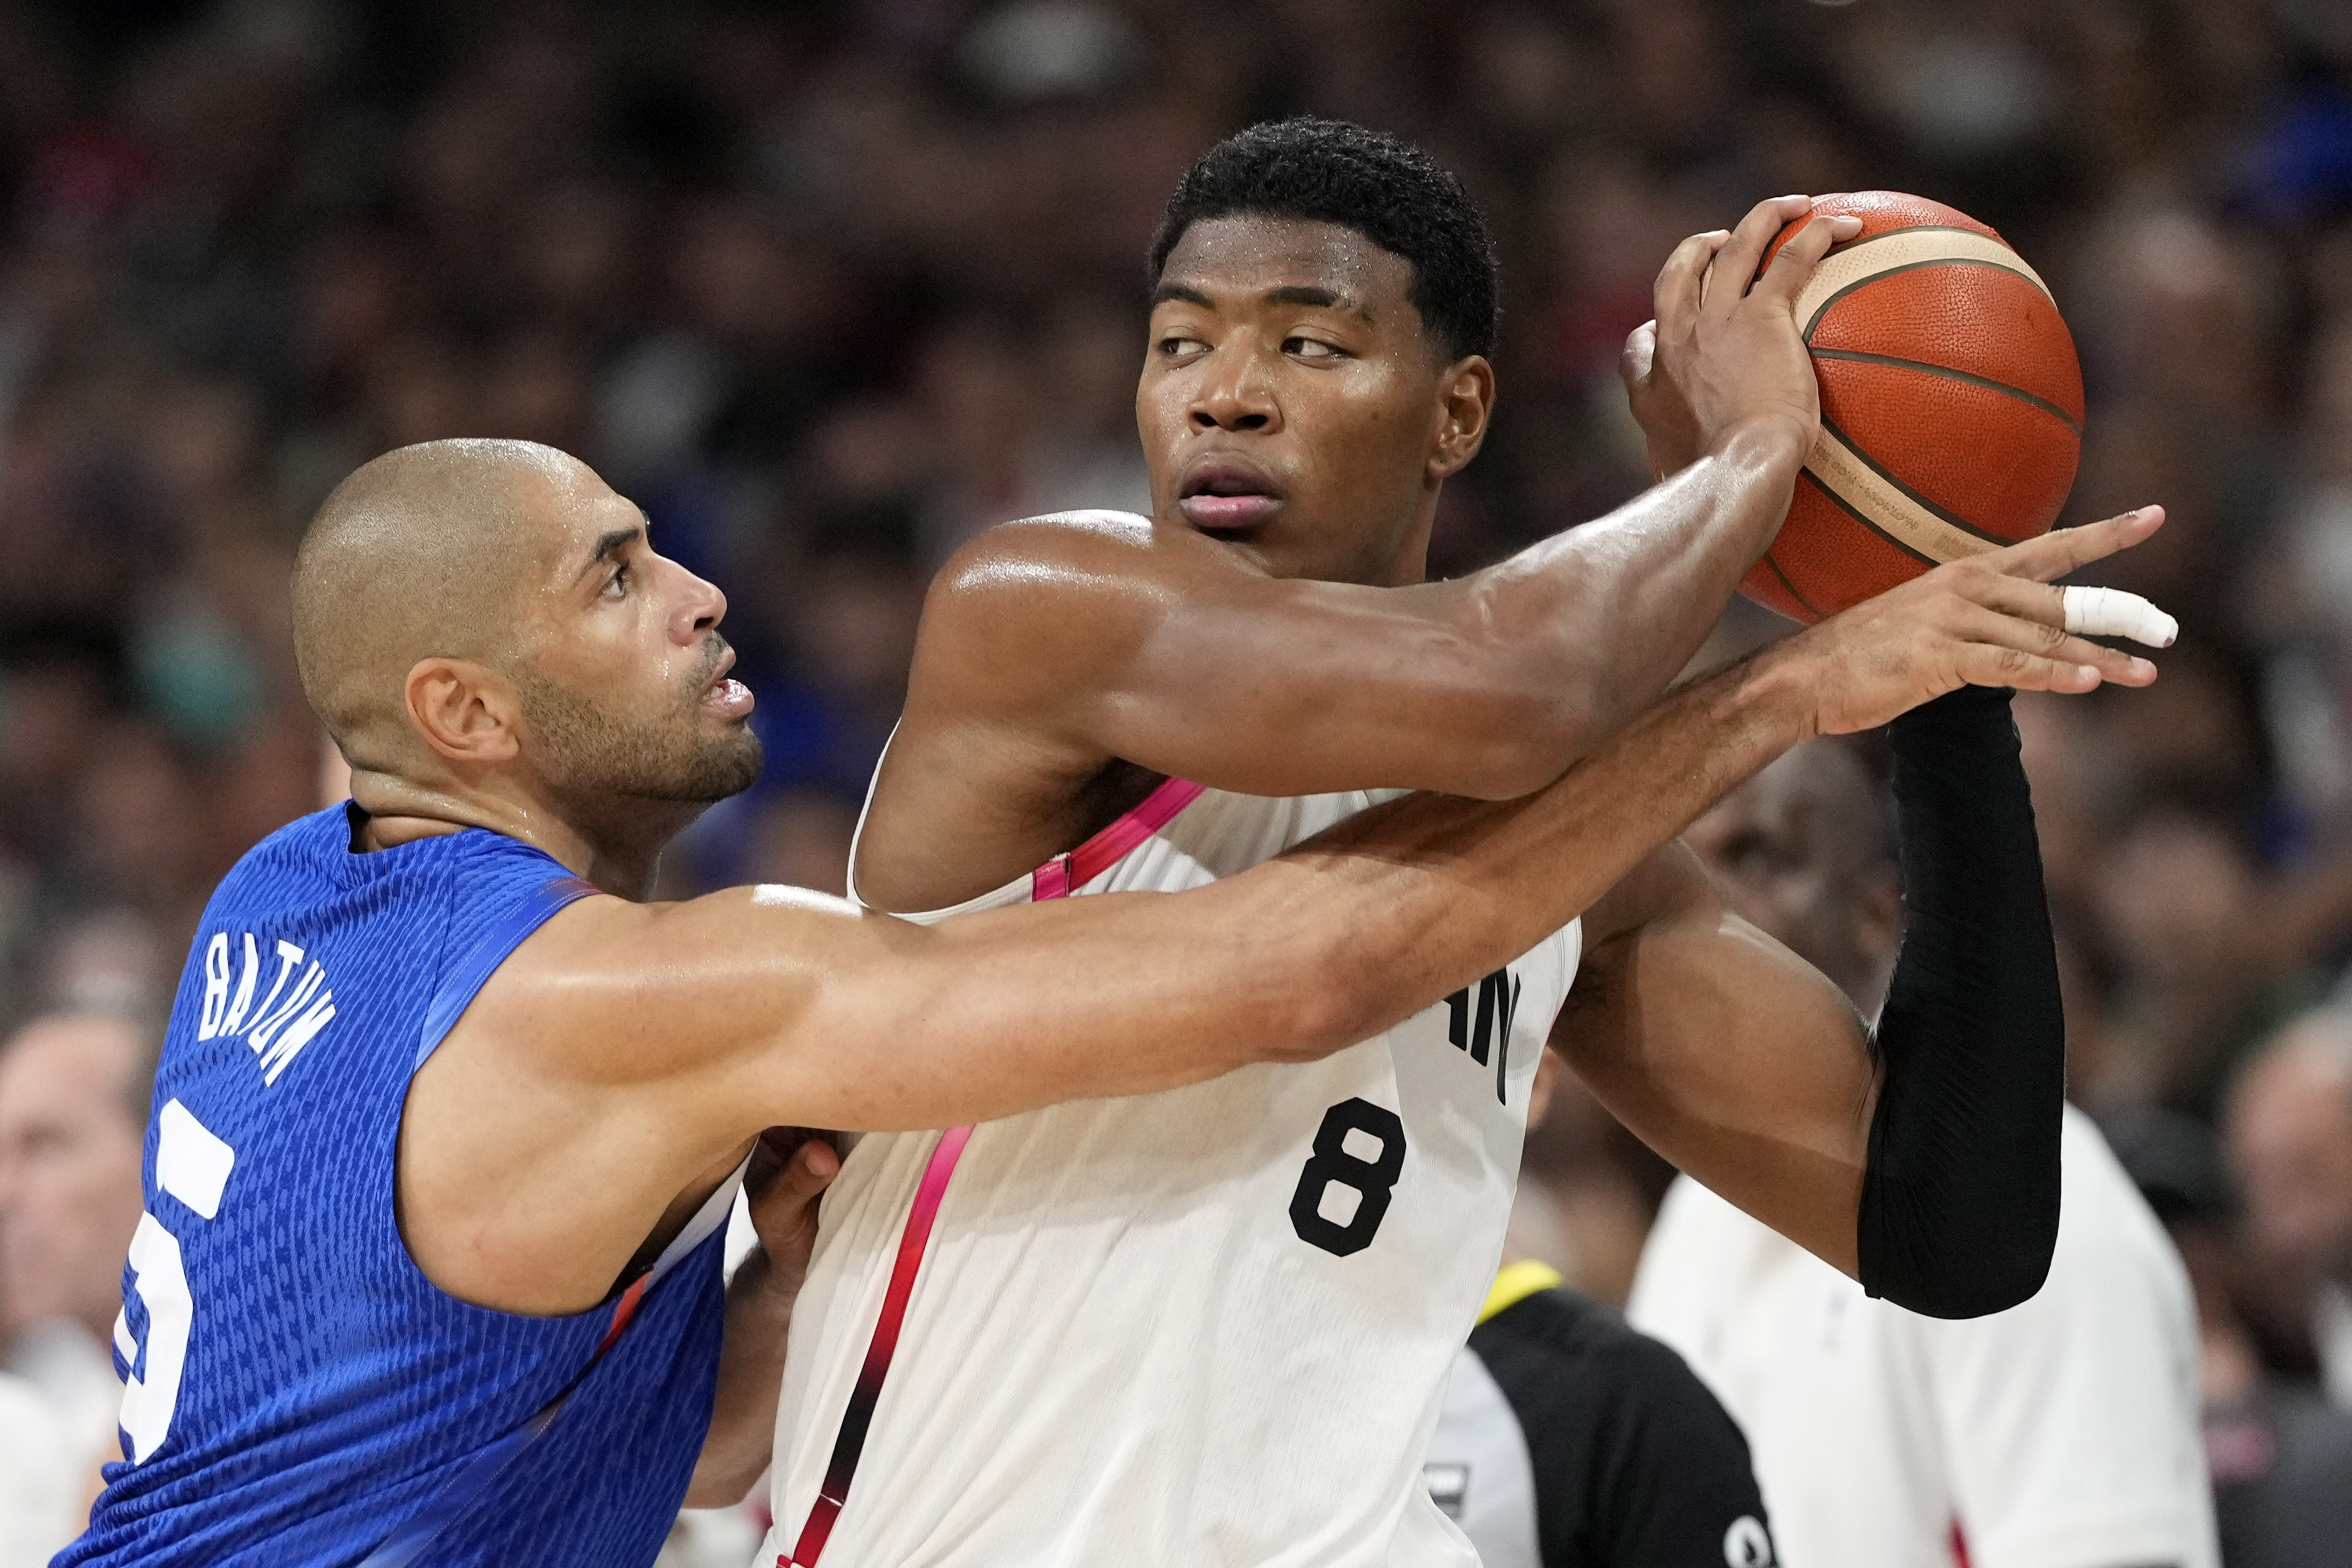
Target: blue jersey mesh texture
point(328, 1389)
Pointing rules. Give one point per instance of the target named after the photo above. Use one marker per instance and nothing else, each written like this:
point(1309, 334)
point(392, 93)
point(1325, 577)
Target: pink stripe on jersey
point(859, 1413)
point(1057, 878)
point(1065, 874)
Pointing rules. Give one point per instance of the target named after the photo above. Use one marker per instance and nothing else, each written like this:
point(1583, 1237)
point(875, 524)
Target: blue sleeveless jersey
point(297, 1393)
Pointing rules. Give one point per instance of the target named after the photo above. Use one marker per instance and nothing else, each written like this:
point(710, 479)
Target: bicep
point(753, 1008)
point(1301, 688)
point(1176, 654)
point(1725, 1052)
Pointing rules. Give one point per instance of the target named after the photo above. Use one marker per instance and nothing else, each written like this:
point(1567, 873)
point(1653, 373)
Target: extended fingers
point(2113, 612)
point(1681, 282)
point(1983, 664)
point(2062, 550)
point(1737, 260)
point(1978, 623)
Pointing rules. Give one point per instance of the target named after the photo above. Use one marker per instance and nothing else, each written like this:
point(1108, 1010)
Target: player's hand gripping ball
point(1952, 407)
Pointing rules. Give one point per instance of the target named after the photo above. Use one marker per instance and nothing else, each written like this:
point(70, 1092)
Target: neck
point(613, 844)
point(1410, 562)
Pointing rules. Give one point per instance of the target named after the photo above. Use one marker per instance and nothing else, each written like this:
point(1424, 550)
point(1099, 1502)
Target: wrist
point(1777, 692)
point(1775, 442)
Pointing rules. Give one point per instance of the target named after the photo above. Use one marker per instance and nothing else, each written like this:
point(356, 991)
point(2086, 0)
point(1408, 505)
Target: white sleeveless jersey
point(1208, 1326)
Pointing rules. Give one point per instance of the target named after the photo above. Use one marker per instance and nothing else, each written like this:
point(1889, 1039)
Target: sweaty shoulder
point(1031, 607)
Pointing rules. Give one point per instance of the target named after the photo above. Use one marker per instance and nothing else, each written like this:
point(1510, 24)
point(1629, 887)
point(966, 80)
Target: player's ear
point(466, 712)
point(1466, 401)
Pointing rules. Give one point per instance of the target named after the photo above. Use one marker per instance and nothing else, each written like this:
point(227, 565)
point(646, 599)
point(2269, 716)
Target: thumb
point(787, 1199)
point(809, 1172)
point(1641, 348)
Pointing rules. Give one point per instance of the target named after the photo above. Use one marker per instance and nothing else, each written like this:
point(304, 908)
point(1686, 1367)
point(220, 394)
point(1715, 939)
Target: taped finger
point(2112, 612)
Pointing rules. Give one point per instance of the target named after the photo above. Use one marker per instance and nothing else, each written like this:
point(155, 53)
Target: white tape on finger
point(2112, 612)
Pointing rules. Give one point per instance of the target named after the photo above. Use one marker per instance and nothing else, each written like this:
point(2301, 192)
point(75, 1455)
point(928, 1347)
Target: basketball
point(1952, 407)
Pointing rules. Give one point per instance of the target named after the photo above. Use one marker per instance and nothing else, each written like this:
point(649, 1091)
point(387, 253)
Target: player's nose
point(700, 606)
point(1235, 396)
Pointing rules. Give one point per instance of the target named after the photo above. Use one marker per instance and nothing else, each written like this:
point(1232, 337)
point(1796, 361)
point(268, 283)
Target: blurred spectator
point(74, 1088)
point(2278, 1453)
point(2062, 1432)
point(2289, 1139)
point(828, 286)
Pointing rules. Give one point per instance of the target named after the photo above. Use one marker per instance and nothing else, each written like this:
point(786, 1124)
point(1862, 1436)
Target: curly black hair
point(1384, 188)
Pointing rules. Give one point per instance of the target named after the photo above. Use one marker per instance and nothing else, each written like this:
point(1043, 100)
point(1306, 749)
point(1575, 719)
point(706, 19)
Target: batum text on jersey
point(288, 1016)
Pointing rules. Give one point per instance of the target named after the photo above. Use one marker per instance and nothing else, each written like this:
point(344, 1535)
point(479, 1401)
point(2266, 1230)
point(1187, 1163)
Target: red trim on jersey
point(850, 1442)
point(1058, 878)
point(623, 1310)
point(1065, 874)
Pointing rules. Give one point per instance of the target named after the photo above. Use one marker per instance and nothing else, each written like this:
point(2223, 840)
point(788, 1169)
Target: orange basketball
point(1952, 407)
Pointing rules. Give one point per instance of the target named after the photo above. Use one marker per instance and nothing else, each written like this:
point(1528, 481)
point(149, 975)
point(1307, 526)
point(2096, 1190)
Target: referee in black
point(1568, 1440)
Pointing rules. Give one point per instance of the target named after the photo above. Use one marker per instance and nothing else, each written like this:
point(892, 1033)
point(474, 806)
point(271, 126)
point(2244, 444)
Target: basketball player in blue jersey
point(448, 1118)
point(1213, 1324)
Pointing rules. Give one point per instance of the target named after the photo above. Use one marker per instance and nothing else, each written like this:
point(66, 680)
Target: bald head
point(424, 553)
point(489, 635)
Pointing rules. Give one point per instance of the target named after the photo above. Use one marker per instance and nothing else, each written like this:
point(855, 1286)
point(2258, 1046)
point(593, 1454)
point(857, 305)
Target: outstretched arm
point(648, 1042)
point(1090, 639)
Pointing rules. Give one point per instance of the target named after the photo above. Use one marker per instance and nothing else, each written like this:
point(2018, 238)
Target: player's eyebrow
point(608, 544)
point(1183, 291)
point(1311, 294)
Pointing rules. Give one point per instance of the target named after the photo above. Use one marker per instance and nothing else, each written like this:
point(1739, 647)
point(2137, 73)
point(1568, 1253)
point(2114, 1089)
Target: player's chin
point(726, 765)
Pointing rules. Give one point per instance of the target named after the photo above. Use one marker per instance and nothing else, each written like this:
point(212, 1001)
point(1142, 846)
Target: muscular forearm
point(997, 1013)
point(1960, 1205)
point(1598, 620)
point(751, 1371)
point(1431, 890)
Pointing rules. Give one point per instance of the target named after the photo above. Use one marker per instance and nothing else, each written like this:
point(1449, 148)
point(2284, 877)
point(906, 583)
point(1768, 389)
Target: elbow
point(1529, 738)
point(1971, 1261)
point(1316, 1022)
point(1988, 1286)
point(1327, 999)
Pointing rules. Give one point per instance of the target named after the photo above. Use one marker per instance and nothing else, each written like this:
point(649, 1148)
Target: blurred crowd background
point(827, 287)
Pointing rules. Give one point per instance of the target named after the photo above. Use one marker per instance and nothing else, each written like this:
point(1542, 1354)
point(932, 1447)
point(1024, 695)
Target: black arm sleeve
point(1960, 1203)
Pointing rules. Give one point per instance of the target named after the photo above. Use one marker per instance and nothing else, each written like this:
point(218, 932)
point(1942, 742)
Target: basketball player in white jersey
point(1212, 1325)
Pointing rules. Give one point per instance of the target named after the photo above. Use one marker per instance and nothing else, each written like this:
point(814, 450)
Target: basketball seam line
point(2043, 404)
point(1822, 309)
point(1875, 467)
point(1859, 516)
point(1775, 566)
point(2023, 268)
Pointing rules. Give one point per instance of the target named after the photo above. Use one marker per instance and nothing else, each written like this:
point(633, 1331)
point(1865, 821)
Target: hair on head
point(1381, 186)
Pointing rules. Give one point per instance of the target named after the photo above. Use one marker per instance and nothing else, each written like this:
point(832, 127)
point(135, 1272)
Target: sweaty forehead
point(1251, 254)
point(566, 513)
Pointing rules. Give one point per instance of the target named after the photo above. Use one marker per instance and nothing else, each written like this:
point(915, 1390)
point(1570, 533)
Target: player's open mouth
point(725, 696)
point(1224, 493)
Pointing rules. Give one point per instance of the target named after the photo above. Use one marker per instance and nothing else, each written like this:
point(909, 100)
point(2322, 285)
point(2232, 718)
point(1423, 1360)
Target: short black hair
point(1384, 188)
